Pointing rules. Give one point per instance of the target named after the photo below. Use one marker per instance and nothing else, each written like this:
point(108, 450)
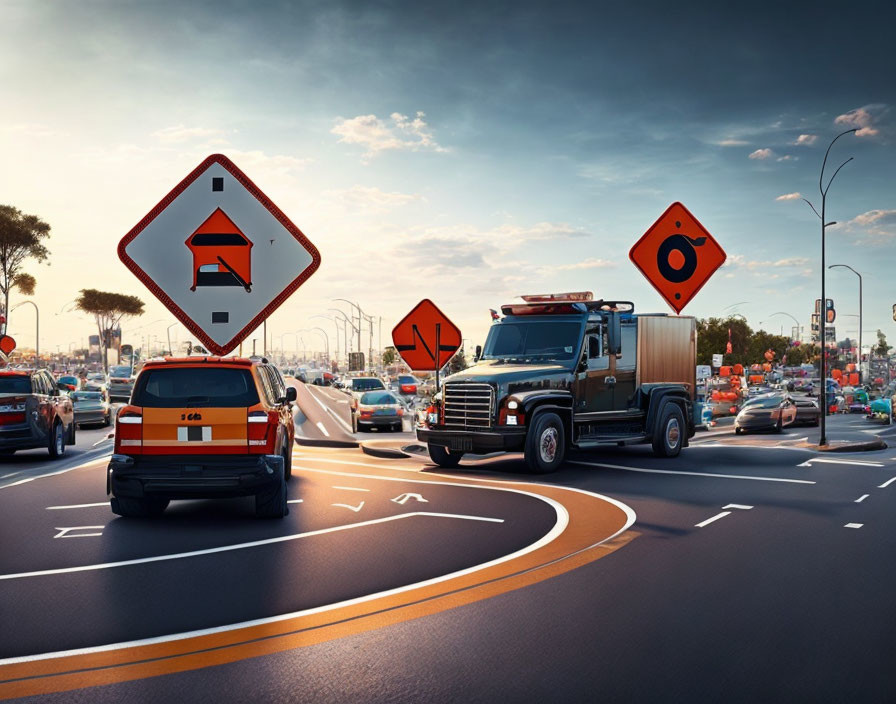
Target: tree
point(389, 356)
point(457, 363)
point(882, 347)
point(21, 237)
point(108, 309)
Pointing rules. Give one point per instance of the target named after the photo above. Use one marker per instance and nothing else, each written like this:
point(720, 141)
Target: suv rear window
point(15, 385)
point(195, 387)
point(120, 372)
point(367, 385)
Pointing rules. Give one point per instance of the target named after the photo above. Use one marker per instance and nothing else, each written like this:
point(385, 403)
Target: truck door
point(592, 392)
point(624, 367)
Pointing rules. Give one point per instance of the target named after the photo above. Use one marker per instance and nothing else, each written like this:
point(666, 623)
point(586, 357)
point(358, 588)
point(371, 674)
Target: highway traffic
point(394, 550)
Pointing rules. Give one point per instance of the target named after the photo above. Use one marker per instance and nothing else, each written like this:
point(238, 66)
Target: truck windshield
point(535, 341)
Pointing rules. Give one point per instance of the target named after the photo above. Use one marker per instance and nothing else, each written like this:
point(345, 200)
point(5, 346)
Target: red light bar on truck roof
point(543, 309)
point(558, 297)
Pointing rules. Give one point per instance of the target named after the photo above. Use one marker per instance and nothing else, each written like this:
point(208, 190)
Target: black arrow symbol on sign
point(416, 334)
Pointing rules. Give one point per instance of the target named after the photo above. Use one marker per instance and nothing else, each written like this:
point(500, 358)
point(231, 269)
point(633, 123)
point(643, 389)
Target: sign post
point(219, 254)
point(426, 339)
point(677, 255)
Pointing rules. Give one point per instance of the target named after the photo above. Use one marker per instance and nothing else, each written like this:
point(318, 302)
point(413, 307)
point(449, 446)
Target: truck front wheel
point(545, 444)
point(669, 432)
point(442, 457)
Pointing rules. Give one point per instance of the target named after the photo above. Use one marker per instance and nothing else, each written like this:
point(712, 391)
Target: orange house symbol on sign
point(222, 254)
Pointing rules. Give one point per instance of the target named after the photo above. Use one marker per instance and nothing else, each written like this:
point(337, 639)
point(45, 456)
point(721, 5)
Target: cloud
point(874, 226)
point(370, 199)
point(403, 134)
point(761, 268)
point(806, 140)
point(591, 263)
point(277, 163)
point(787, 157)
point(30, 129)
point(790, 196)
point(860, 118)
point(761, 154)
point(733, 143)
point(180, 133)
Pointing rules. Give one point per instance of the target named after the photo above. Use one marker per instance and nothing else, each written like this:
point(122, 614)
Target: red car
point(33, 413)
point(407, 384)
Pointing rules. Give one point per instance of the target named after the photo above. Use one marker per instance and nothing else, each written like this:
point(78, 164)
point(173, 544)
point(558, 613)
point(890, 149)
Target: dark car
point(34, 413)
point(379, 409)
point(771, 412)
point(121, 382)
point(203, 427)
point(92, 407)
point(807, 411)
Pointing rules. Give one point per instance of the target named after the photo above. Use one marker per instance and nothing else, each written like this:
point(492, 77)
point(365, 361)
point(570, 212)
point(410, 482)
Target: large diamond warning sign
point(677, 255)
point(219, 254)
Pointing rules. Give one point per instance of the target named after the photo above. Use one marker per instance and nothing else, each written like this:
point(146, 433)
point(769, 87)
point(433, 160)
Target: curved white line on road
point(329, 411)
point(558, 528)
point(58, 472)
point(236, 546)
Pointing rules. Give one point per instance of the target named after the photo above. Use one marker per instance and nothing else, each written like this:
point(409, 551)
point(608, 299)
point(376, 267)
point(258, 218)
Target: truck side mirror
point(614, 334)
point(478, 353)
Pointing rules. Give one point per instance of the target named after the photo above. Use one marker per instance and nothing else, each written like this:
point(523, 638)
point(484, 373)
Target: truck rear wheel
point(545, 444)
point(669, 432)
point(442, 457)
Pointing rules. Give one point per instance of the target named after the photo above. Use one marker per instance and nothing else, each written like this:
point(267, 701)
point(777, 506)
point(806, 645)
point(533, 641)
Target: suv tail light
point(261, 431)
point(12, 413)
point(129, 431)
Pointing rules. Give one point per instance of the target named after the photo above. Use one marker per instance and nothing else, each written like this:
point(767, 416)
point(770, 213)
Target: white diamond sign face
point(219, 254)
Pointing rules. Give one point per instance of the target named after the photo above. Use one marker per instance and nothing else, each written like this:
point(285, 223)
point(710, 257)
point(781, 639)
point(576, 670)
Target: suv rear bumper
point(21, 437)
point(192, 476)
point(476, 441)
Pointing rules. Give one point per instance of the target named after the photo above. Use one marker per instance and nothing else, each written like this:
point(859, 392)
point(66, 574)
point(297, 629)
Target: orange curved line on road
point(591, 521)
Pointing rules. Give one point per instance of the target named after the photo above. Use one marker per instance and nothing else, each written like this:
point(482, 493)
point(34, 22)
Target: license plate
point(461, 444)
point(384, 412)
point(194, 433)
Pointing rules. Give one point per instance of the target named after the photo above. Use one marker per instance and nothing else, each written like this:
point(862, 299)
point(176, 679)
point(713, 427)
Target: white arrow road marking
point(295, 501)
point(690, 474)
point(714, 518)
point(57, 508)
point(887, 483)
point(267, 541)
point(853, 525)
point(351, 508)
point(855, 463)
point(740, 506)
point(65, 532)
point(404, 498)
point(323, 429)
point(350, 488)
point(861, 498)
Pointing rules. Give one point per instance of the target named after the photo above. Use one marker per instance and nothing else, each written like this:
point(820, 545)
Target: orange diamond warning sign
point(677, 255)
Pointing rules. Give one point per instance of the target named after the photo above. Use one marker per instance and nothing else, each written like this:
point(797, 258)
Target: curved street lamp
point(859, 351)
point(36, 327)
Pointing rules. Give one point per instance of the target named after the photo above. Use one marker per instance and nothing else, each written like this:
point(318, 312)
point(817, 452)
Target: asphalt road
point(755, 571)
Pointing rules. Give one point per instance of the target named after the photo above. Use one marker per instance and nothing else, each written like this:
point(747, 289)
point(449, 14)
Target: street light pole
point(822, 440)
point(859, 351)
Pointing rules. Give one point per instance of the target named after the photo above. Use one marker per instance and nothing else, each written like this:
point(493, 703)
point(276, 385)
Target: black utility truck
point(564, 371)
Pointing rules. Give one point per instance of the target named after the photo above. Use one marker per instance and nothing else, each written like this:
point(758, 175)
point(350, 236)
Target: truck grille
point(469, 405)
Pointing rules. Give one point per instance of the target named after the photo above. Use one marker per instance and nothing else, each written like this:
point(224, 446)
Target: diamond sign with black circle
point(219, 254)
point(677, 255)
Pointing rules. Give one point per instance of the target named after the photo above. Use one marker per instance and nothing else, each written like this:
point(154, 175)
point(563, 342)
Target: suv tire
point(669, 433)
point(72, 429)
point(442, 457)
point(138, 508)
point(545, 447)
point(287, 461)
point(56, 441)
point(271, 503)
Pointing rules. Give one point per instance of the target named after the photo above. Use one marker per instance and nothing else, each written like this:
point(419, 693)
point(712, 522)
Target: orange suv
point(203, 427)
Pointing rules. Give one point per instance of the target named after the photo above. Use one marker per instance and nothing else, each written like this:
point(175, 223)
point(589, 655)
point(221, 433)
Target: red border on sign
point(447, 320)
point(702, 229)
point(187, 321)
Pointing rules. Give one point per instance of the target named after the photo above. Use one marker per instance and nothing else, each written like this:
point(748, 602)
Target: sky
point(462, 152)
